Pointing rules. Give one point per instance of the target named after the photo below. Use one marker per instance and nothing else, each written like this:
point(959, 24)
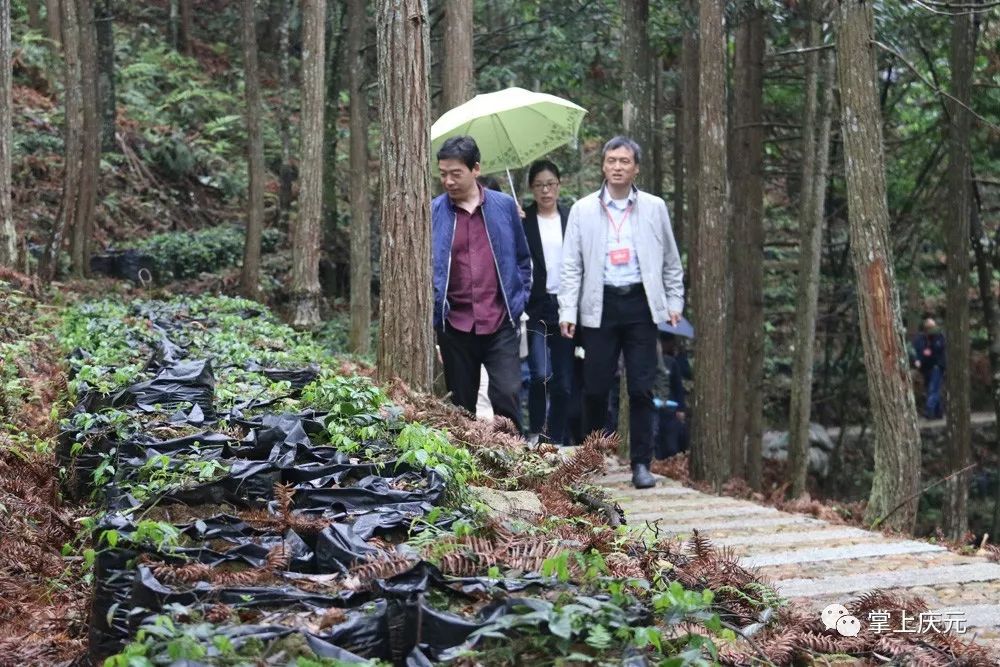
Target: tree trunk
point(287, 174)
point(335, 287)
point(637, 106)
point(185, 33)
point(83, 230)
point(8, 235)
point(896, 480)
point(34, 14)
point(747, 163)
point(73, 141)
point(361, 250)
point(306, 235)
point(991, 317)
point(405, 334)
point(689, 71)
point(956, 233)
point(174, 24)
point(681, 140)
point(815, 168)
point(458, 71)
point(249, 276)
point(106, 75)
point(711, 455)
point(656, 137)
point(53, 19)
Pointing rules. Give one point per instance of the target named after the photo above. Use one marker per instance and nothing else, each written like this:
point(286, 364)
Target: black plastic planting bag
point(186, 382)
point(298, 377)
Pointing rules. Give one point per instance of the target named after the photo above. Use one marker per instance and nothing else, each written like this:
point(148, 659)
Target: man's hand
point(568, 329)
point(674, 318)
point(520, 212)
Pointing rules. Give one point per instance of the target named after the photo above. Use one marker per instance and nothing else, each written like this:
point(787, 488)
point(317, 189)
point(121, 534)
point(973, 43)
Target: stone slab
point(707, 513)
point(908, 578)
point(682, 503)
point(793, 538)
point(849, 552)
point(975, 615)
point(657, 492)
point(741, 525)
point(613, 478)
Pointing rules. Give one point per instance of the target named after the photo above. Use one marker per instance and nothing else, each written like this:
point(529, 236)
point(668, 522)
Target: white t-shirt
point(550, 229)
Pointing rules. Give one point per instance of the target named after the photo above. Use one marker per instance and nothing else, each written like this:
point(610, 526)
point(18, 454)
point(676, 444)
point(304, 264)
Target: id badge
point(619, 256)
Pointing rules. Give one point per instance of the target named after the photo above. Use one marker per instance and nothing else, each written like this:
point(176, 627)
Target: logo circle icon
point(848, 626)
point(831, 614)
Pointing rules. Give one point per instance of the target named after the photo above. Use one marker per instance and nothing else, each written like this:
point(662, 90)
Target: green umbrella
point(513, 127)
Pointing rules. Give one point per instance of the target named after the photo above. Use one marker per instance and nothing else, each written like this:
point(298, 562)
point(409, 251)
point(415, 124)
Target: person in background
point(621, 275)
point(669, 398)
point(928, 358)
point(550, 356)
point(481, 279)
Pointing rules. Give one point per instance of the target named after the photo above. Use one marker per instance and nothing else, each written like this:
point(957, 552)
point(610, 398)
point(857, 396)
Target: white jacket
point(581, 282)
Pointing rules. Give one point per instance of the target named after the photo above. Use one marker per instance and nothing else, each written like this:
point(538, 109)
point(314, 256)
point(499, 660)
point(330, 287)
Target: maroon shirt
point(477, 305)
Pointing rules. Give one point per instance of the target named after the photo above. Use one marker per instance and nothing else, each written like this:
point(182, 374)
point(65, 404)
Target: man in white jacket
point(621, 275)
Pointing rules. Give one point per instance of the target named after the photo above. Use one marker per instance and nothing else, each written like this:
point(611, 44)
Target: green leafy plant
point(423, 446)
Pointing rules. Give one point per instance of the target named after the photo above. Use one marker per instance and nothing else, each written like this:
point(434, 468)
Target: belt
point(624, 290)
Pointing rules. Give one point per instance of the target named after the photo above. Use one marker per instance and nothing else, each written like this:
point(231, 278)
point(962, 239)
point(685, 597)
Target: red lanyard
point(618, 227)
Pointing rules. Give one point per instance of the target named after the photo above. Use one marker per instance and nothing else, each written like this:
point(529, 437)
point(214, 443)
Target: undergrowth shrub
point(183, 255)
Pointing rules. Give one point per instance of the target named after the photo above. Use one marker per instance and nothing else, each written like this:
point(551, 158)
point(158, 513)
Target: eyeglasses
point(551, 185)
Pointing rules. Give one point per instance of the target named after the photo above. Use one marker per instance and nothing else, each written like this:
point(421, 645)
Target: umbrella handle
point(513, 193)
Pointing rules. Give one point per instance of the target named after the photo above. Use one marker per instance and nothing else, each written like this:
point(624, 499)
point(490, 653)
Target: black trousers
point(464, 354)
point(627, 329)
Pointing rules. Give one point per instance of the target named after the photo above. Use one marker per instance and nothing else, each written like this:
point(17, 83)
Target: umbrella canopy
point(512, 127)
point(683, 328)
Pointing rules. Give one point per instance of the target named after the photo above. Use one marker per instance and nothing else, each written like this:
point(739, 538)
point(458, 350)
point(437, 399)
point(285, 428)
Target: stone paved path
point(814, 563)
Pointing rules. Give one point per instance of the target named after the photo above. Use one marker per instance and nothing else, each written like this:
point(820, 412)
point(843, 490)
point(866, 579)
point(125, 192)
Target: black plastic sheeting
point(125, 264)
point(358, 500)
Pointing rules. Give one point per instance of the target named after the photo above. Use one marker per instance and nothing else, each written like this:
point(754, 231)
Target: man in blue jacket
point(482, 278)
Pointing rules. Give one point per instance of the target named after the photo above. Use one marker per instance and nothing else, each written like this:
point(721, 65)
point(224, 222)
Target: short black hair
point(460, 148)
point(489, 182)
point(622, 141)
point(538, 166)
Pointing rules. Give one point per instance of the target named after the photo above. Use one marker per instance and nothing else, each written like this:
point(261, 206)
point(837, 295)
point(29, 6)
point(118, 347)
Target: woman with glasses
point(550, 356)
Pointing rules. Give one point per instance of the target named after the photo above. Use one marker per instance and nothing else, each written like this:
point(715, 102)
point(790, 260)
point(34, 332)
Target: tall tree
point(72, 142)
point(361, 250)
point(688, 219)
point(8, 235)
point(959, 211)
point(34, 14)
point(815, 161)
point(458, 68)
point(306, 234)
point(637, 84)
point(332, 232)
point(90, 146)
point(896, 480)
point(991, 318)
point(53, 19)
point(711, 455)
point(679, 150)
point(405, 334)
point(184, 36)
point(250, 274)
point(286, 173)
point(106, 74)
point(747, 176)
